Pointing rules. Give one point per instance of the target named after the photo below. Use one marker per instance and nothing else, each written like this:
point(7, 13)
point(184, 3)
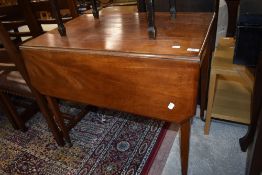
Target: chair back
point(14, 19)
point(12, 52)
point(44, 12)
point(18, 15)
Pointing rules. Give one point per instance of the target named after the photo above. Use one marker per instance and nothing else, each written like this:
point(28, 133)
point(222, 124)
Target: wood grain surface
point(127, 33)
point(111, 63)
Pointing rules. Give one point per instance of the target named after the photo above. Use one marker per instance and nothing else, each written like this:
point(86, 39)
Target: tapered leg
point(56, 12)
point(8, 113)
point(184, 145)
point(203, 86)
point(59, 118)
point(12, 111)
point(151, 29)
point(48, 116)
point(94, 9)
point(205, 72)
point(211, 94)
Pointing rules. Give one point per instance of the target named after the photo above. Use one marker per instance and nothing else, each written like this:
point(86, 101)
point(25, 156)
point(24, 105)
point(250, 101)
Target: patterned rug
point(104, 143)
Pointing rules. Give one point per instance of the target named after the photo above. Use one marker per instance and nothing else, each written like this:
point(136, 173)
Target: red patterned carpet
point(104, 143)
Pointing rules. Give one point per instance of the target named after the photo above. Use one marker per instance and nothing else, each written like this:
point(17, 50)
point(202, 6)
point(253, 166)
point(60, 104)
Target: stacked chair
point(14, 79)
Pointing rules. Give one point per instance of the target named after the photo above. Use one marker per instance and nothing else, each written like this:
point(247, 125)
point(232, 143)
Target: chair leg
point(8, 114)
point(59, 118)
point(203, 87)
point(12, 111)
point(151, 29)
point(56, 12)
point(48, 117)
point(184, 145)
point(211, 94)
point(94, 9)
point(172, 4)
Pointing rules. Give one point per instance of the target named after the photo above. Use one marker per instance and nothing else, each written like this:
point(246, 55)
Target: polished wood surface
point(126, 34)
point(120, 68)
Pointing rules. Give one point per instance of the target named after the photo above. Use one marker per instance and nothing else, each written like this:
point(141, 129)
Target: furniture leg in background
point(8, 113)
point(205, 72)
point(56, 12)
point(211, 94)
point(232, 17)
point(252, 141)
point(94, 9)
point(151, 29)
point(172, 4)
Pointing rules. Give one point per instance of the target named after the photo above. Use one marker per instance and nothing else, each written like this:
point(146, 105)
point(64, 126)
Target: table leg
point(151, 19)
point(56, 12)
point(94, 9)
point(52, 102)
point(211, 95)
point(50, 121)
point(205, 71)
point(184, 145)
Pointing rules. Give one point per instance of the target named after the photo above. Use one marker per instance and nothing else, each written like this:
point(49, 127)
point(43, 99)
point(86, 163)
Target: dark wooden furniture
point(232, 17)
point(111, 63)
point(18, 83)
point(249, 33)
point(252, 141)
point(248, 51)
point(13, 82)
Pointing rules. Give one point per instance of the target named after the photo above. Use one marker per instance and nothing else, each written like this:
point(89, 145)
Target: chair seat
point(13, 83)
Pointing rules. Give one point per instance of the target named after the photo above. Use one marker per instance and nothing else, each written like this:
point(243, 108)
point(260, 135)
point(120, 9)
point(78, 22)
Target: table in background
point(111, 63)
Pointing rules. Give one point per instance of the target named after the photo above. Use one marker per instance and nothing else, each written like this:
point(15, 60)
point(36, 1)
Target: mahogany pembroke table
point(110, 62)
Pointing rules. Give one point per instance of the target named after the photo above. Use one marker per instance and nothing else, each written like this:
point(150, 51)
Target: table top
point(127, 33)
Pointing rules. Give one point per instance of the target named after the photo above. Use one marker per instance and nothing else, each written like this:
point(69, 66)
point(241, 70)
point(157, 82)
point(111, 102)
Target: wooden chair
point(14, 80)
point(11, 81)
